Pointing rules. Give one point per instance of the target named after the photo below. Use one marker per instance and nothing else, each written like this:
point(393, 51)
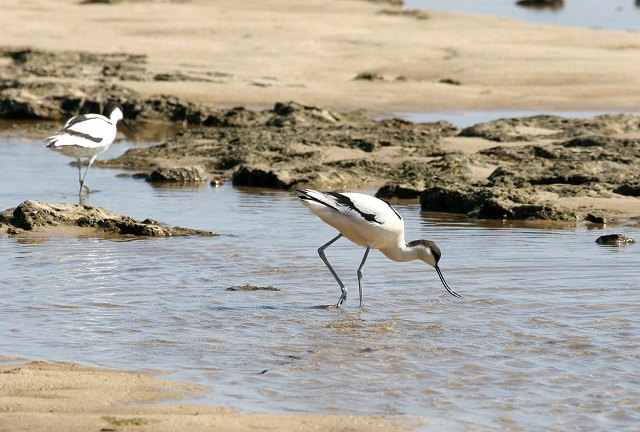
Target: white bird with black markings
point(371, 223)
point(86, 136)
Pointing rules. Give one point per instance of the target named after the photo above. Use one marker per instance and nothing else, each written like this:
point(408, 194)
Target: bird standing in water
point(86, 136)
point(371, 223)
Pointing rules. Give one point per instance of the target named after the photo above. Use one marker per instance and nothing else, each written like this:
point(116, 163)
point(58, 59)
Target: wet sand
point(66, 396)
point(225, 54)
point(228, 54)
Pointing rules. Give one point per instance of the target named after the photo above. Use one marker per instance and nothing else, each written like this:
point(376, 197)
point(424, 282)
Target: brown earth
point(40, 218)
point(542, 167)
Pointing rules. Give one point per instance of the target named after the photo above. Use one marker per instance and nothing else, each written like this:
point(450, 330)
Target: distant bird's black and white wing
point(90, 131)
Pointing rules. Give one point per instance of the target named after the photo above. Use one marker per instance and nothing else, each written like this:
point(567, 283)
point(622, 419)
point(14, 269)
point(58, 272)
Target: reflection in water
point(547, 313)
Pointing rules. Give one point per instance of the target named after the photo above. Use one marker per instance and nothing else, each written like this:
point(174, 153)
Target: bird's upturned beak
point(128, 127)
point(445, 284)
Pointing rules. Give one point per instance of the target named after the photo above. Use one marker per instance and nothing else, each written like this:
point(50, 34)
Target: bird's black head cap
point(428, 244)
point(111, 105)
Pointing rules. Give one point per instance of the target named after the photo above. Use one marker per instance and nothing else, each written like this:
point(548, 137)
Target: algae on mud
point(38, 216)
point(526, 168)
point(540, 167)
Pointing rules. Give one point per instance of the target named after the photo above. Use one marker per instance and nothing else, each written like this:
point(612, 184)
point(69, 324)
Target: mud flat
point(226, 54)
point(67, 396)
point(533, 168)
point(41, 218)
point(541, 167)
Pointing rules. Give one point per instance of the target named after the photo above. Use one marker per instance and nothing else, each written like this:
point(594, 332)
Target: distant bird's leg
point(343, 297)
point(361, 273)
point(85, 175)
point(80, 176)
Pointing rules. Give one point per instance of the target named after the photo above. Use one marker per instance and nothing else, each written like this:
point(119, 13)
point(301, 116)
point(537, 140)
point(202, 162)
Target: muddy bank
point(47, 85)
point(542, 167)
point(226, 54)
point(40, 217)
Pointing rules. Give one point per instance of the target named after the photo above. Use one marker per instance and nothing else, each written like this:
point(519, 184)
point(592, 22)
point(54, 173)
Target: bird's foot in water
point(342, 299)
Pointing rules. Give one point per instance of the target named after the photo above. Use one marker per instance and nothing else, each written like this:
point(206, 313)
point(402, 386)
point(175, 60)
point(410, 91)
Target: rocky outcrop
point(615, 240)
point(37, 215)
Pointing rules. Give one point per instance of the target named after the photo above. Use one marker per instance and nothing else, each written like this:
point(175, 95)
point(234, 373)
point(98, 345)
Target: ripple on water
point(546, 336)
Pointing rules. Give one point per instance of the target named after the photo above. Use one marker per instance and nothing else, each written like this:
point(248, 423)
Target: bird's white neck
point(402, 252)
point(116, 115)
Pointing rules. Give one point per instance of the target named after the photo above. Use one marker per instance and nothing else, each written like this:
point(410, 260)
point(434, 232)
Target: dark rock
point(369, 76)
point(631, 188)
point(596, 219)
point(506, 176)
point(177, 175)
point(33, 215)
point(589, 141)
point(295, 114)
point(235, 117)
point(541, 4)
point(398, 191)
point(257, 177)
point(545, 152)
point(488, 203)
point(449, 81)
point(615, 240)
point(365, 144)
point(566, 178)
point(450, 199)
point(252, 288)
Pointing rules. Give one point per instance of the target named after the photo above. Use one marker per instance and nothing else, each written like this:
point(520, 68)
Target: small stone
point(615, 240)
point(252, 288)
point(596, 219)
point(369, 76)
point(177, 175)
point(449, 81)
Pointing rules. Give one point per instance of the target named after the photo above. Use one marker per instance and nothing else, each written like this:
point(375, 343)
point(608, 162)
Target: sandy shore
point(311, 51)
point(70, 397)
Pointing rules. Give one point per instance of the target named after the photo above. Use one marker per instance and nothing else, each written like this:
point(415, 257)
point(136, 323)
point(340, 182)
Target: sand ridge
point(280, 50)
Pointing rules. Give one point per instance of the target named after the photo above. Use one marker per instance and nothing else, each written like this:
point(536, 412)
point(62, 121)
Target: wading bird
point(371, 223)
point(86, 136)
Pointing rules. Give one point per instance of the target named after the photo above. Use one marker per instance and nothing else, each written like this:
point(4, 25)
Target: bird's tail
point(59, 140)
point(310, 195)
point(51, 141)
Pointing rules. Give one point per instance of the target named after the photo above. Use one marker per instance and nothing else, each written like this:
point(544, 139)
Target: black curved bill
point(127, 125)
point(455, 294)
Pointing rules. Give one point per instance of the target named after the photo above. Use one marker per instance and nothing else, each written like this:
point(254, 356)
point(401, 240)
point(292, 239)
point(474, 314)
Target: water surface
point(547, 335)
point(598, 14)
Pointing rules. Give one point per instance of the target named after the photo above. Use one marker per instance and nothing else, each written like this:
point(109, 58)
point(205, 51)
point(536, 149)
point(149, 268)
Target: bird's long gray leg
point(361, 273)
point(321, 249)
point(85, 175)
point(80, 176)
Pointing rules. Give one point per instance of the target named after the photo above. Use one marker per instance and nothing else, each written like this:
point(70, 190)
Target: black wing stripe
point(394, 210)
point(83, 135)
point(346, 201)
point(305, 196)
point(80, 118)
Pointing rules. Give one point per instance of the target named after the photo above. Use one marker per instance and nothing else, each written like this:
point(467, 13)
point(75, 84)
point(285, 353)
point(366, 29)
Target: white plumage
point(371, 223)
point(86, 136)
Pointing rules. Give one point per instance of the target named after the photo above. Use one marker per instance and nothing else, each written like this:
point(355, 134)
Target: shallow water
point(598, 14)
point(463, 119)
point(547, 335)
